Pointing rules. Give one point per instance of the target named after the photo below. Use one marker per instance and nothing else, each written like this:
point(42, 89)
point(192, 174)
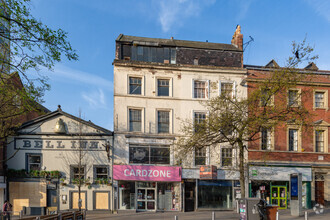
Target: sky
point(86, 85)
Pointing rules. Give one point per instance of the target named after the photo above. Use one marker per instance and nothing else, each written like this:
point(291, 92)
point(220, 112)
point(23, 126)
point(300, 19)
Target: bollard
point(213, 215)
point(176, 217)
point(306, 215)
point(21, 214)
point(277, 215)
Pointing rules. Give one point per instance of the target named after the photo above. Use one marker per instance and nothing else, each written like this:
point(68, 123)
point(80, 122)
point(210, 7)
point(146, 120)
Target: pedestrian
point(6, 208)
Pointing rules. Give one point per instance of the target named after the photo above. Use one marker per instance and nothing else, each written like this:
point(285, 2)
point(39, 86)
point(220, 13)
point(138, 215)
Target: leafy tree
point(239, 120)
point(26, 44)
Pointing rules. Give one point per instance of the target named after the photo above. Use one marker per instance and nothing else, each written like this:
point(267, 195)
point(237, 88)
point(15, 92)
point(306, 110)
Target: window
point(163, 121)
point(293, 98)
point(101, 172)
point(319, 141)
point(145, 154)
point(266, 140)
point(227, 89)
point(293, 139)
point(33, 162)
point(200, 156)
point(200, 89)
point(199, 119)
point(135, 85)
point(227, 157)
point(153, 54)
point(319, 99)
point(135, 120)
point(163, 86)
point(78, 173)
point(266, 98)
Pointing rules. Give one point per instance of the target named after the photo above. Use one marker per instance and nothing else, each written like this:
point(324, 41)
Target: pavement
point(201, 215)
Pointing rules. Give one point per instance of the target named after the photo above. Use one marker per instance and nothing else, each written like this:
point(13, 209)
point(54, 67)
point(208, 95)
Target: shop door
point(75, 200)
point(319, 192)
point(279, 196)
point(189, 196)
point(146, 200)
point(124, 198)
point(52, 200)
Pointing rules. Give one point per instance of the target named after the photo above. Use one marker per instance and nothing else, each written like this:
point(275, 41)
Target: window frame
point(298, 98)
point(298, 128)
point(270, 137)
point(222, 158)
point(207, 89)
point(194, 117)
point(149, 147)
point(205, 157)
point(169, 87)
point(233, 93)
point(95, 174)
point(72, 173)
point(129, 119)
point(272, 99)
point(27, 163)
point(169, 122)
point(129, 85)
point(325, 99)
point(325, 128)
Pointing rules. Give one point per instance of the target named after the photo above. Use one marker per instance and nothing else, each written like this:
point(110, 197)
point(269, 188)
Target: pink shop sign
point(147, 173)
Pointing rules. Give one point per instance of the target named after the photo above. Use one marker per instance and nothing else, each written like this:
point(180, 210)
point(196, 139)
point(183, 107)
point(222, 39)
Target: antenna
point(247, 43)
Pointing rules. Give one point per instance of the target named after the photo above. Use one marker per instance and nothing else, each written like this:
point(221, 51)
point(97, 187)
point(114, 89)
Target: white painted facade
point(60, 152)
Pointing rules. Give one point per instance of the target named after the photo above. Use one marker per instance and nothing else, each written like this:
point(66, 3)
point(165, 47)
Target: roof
point(176, 43)
point(265, 68)
point(60, 112)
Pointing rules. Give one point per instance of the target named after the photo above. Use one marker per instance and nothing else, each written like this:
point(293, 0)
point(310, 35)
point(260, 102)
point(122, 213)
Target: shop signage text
point(208, 172)
point(51, 144)
point(146, 173)
point(279, 173)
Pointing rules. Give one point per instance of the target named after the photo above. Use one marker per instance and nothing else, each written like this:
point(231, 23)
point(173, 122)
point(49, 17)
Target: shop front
point(148, 188)
point(272, 184)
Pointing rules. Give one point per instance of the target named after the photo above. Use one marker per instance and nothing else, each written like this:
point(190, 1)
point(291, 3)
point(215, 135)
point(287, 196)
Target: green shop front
point(271, 183)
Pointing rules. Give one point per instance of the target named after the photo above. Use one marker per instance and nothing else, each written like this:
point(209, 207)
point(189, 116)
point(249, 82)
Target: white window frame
point(325, 128)
point(142, 84)
point(207, 89)
point(233, 95)
point(232, 156)
point(207, 157)
point(325, 99)
point(298, 128)
point(298, 101)
point(270, 139)
point(170, 118)
point(170, 89)
point(142, 119)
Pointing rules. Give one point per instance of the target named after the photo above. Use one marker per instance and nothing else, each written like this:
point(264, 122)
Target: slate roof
point(176, 43)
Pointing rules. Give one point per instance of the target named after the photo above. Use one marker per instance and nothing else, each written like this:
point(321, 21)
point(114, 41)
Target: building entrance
point(279, 196)
point(146, 199)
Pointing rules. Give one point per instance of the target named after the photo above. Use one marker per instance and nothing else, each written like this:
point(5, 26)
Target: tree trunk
point(241, 168)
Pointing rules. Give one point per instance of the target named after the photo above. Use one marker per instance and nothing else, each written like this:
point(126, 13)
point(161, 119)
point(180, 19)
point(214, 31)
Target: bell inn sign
point(53, 143)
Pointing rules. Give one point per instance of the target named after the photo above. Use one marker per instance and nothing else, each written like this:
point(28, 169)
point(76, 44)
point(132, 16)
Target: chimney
point(237, 39)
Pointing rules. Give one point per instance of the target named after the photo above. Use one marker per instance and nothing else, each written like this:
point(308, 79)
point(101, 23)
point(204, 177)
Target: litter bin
point(248, 209)
point(271, 211)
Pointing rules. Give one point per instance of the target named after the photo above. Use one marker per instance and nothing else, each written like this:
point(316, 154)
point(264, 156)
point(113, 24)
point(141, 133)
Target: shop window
point(200, 156)
point(200, 89)
point(77, 172)
point(199, 120)
point(293, 98)
point(135, 120)
point(293, 139)
point(166, 191)
point(266, 139)
point(319, 141)
point(149, 154)
point(163, 121)
point(135, 85)
point(101, 172)
point(33, 162)
point(163, 87)
point(226, 157)
point(227, 89)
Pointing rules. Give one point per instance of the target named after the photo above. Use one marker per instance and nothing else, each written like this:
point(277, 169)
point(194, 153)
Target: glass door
point(146, 199)
point(279, 196)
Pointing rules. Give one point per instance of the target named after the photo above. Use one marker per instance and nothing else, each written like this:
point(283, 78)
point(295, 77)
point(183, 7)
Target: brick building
point(289, 147)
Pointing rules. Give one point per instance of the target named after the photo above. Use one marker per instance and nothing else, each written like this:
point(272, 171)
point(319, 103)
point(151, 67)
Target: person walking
point(6, 208)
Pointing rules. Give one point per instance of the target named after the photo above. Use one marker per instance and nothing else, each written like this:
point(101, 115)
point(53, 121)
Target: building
point(289, 148)
point(158, 83)
point(15, 108)
point(54, 154)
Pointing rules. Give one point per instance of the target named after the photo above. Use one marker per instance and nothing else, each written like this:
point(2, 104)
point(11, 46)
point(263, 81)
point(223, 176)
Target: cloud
point(177, 11)
point(66, 74)
point(95, 99)
point(321, 7)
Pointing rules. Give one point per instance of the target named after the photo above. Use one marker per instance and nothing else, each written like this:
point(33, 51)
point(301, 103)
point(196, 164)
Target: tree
point(26, 44)
point(238, 121)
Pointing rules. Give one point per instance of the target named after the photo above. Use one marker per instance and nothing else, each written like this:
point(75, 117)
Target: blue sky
point(93, 26)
